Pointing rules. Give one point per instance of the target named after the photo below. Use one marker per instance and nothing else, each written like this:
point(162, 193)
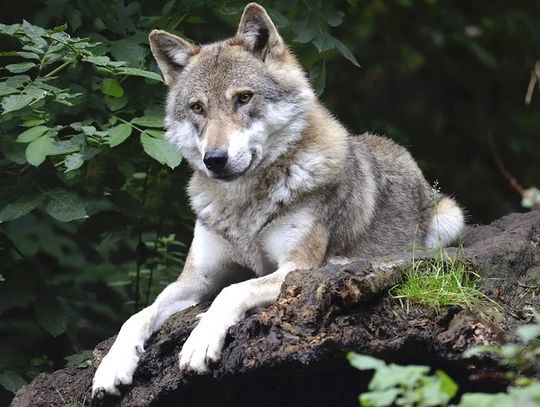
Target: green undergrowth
point(418, 386)
point(441, 281)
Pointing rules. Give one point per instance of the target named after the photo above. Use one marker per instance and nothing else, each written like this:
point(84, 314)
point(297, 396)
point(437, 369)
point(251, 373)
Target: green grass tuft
point(439, 282)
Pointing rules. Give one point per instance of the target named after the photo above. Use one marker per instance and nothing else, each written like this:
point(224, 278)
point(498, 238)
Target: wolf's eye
point(244, 97)
point(196, 107)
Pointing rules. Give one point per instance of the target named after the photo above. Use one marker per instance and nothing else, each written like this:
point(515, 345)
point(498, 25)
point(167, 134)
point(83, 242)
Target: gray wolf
point(278, 184)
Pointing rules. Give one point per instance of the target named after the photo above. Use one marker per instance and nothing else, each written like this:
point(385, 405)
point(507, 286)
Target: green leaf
point(20, 67)
point(379, 398)
point(16, 102)
point(70, 145)
point(26, 202)
point(485, 400)
point(447, 385)
point(167, 8)
point(149, 121)
point(279, 19)
point(65, 206)
point(118, 134)
point(160, 150)
point(23, 54)
point(527, 333)
point(11, 381)
point(89, 130)
point(395, 375)
point(324, 42)
point(98, 60)
point(73, 161)
point(317, 76)
point(345, 52)
point(31, 134)
point(51, 315)
point(129, 51)
point(481, 349)
point(334, 18)
point(364, 362)
point(82, 359)
point(123, 70)
point(37, 150)
point(111, 87)
point(115, 103)
point(307, 31)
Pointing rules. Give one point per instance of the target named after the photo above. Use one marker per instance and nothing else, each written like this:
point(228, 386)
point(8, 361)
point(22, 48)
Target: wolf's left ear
point(258, 33)
point(172, 53)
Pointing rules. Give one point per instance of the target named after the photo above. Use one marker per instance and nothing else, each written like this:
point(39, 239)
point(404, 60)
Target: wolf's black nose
point(215, 160)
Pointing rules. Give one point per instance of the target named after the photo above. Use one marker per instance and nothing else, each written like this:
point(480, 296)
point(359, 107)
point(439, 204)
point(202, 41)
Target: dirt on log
point(292, 353)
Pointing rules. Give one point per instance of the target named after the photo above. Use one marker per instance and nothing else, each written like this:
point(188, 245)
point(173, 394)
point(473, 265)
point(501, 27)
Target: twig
point(139, 244)
point(514, 183)
point(150, 277)
point(59, 68)
point(535, 78)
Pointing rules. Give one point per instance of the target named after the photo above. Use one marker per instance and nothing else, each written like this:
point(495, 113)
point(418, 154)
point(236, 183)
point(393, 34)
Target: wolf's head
point(235, 105)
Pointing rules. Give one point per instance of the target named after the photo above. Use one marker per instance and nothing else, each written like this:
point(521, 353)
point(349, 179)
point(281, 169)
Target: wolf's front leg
point(295, 247)
point(206, 271)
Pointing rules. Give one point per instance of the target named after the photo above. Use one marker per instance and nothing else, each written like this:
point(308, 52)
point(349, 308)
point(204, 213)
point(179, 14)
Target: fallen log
point(293, 352)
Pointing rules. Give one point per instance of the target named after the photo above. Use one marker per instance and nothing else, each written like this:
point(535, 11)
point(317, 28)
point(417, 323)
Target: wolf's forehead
point(219, 67)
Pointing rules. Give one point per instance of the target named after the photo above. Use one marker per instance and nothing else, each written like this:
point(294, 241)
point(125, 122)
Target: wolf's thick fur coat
point(296, 188)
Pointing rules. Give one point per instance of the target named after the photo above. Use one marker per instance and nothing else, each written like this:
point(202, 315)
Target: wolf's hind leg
point(446, 225)
point(205, 273)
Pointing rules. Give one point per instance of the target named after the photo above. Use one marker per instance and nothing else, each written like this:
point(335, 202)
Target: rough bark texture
point(293, 352)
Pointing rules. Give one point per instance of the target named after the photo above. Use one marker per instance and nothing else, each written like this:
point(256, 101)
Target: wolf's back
point(385, 205)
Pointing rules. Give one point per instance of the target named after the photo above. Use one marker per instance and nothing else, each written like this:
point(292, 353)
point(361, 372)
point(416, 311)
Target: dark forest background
point(94, 214)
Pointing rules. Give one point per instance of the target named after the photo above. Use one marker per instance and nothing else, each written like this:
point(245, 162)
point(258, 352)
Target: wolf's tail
point(446, 225)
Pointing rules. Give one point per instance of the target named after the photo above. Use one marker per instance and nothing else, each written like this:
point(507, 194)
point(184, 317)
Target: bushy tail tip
point(446, 225)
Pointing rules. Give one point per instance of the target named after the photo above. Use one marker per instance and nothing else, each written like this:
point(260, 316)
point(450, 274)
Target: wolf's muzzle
point(216, 160)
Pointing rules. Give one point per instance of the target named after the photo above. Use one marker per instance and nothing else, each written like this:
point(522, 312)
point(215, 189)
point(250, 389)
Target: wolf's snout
point(216, 160)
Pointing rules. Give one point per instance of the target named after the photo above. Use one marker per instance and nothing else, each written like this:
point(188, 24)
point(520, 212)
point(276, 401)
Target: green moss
point(439, 282)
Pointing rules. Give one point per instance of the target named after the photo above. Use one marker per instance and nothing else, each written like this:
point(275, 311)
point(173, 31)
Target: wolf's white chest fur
point(257, 227)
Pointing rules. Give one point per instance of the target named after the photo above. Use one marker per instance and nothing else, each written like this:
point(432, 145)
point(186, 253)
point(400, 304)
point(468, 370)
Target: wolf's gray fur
point(278, 185)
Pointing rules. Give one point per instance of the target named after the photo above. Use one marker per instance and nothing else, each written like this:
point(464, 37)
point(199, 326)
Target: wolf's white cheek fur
point(242, 144)
point(184, 137)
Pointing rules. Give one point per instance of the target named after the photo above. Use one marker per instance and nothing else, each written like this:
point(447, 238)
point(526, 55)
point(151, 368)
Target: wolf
point(278, 185)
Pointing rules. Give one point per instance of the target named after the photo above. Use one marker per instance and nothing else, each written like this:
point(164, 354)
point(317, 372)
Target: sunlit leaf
point(31, 134)
point(37, 150)
point(160, 150)
point(118, 134)
point(111, 87)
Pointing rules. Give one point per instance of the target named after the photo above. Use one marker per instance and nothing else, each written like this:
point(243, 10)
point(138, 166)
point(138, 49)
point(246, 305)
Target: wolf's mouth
point(226, 177)
point(233, 176)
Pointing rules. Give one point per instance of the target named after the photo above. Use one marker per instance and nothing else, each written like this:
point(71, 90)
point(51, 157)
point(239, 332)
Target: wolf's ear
point(172, 53)
point(258, 33)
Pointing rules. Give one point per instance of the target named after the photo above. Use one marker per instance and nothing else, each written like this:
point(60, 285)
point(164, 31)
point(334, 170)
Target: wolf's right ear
point(258, 33)
point(172, 53)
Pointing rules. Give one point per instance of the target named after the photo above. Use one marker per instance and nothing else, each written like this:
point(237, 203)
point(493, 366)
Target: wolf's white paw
point(203, 346)
point(116, 368)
